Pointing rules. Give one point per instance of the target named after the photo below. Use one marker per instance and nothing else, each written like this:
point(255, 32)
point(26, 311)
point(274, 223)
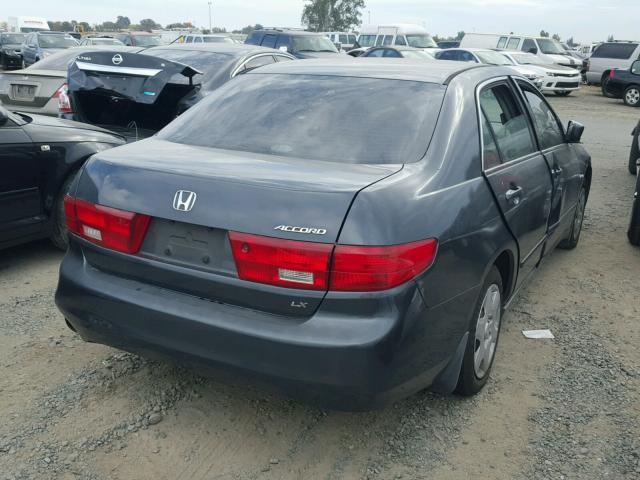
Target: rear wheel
point(634, 156)
point(572, 240)
point(483, 337)
point(603, 85)
point(631, 96)
point(59, 236)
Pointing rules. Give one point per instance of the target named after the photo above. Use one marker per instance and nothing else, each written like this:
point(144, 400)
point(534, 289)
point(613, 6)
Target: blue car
point(39, 45)
point(350, 266)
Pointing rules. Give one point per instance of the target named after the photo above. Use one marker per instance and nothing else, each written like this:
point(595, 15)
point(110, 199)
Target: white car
point(557, 78)
point(491, 57)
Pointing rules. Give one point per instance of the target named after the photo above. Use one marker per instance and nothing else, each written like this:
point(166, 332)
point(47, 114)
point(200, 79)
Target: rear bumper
point(343, 360)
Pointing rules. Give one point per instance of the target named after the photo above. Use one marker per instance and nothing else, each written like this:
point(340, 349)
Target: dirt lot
point(565, 408)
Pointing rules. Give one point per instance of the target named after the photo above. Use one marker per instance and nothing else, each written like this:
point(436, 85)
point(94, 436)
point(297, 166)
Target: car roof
point(392, 69)
point(400, 48)
point(228, 48)
point(291, 32)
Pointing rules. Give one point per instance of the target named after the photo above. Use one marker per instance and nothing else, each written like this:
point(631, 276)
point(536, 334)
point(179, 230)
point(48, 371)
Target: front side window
point(352, 40)
point(379, 40)
point(550, 47)
point(343, 39)
point(544, 120)
point(449, 55)
point(400, 40)
point(376, 53)
point(388, 40)
point(189, 39)
point(381, 121)
point(508, 122)
point(467, 56)
point(390, 53)
point(529, 45)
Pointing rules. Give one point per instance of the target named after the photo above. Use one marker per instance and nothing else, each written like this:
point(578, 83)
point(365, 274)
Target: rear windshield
point(57, 41)
point(11, 38)
point(105, 41)
point(206, 62)
point(620, 51)
point(57, 61)
point(148, 40)
point(328, 118)
point(493, 58)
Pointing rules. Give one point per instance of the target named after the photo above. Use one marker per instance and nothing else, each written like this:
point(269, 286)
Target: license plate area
point(23, 92)
point(190, 246)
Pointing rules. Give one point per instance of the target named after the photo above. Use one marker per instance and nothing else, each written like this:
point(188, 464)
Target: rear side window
point(381, 121)
point(344, 39)
point(449, 55)
point(269, 41)
point(189, 39)
point(389, 53)
point(388, 40)
point(258, 62)
point(544, 120)
point(490, 154)
point(620, 51)
point(254, 39)
point(502, 42)
point(376, 53)
point(513, 43)
point(352, 39)
point(367, 40)
point(379, 40)
point(509, 124)
point(400, 40)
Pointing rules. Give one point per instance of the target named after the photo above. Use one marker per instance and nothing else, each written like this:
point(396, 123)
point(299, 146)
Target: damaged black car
point(137, 94)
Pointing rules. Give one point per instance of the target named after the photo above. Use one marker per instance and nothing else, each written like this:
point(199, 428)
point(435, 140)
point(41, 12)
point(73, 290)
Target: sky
point(584, 20)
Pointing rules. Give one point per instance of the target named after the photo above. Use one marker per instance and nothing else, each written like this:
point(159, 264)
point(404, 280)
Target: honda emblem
point(184, 200)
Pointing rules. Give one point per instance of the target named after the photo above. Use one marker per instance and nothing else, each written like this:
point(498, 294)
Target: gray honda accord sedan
point(347, 263)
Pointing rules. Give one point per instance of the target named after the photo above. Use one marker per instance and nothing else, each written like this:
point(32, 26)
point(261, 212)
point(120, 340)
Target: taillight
point(64, 102)
point(321, 266)
point(368, 269)
point(286, 263)
point(612, 74)
point(105, 226)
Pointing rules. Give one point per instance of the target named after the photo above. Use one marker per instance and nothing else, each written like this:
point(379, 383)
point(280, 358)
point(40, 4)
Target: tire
point(631, 96)
point(480, 352)
point(59, 236)
point(573, 238)
point(603, 85)
point(564, 93)
point(634, 156)
point(634, 225)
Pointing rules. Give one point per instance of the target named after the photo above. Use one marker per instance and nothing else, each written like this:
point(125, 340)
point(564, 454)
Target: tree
point(179, 25)
point(571, 42)
point(148, 24)
point(107, 27)
point(122, 22)
point(332, 15)
point(460, 36)
point(556, 37)
point(544, 34)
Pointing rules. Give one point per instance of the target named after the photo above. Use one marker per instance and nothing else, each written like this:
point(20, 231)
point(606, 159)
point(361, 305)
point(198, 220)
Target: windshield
point(313, 43)
point(381, 121)
point(218, 40)
point(6, 38)
point(418, 54)
point(57, 41)
point(421, 41)
point(493, 58)
point(148, 40)
point(550, 47)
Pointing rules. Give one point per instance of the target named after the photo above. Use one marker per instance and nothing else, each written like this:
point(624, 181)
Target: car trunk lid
point(29, 87)
point(128, 90)
point(264, 195)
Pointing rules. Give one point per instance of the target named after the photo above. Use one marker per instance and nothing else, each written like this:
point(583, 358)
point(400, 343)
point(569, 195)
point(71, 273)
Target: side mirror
point(533, 50)
point(574, 132)
point(4, 116)
point(635, 67)
point(283, 48)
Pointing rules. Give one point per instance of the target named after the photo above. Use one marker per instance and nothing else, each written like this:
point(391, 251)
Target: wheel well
point(504, 264)
point(605, 75)
point(587, 180)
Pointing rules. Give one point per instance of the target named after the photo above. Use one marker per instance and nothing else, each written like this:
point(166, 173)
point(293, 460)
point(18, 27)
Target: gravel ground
point(565, 408)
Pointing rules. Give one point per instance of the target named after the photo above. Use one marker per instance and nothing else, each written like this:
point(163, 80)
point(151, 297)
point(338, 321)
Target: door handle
point(513, 194)
point(556, 170)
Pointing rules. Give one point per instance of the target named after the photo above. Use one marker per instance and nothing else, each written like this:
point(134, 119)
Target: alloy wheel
point(632, 96)
point(487, 328)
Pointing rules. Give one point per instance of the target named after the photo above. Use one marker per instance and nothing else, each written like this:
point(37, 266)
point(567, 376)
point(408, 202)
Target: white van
point(27, 24)
point(547, 49)
point(395, 34)
point(346, 40)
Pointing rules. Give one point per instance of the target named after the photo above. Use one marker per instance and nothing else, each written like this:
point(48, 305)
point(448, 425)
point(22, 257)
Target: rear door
point(560, 157)
point(516, 171)
point(20, 178)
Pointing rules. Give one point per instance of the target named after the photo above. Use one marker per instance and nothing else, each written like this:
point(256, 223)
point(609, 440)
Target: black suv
point(299, 43)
